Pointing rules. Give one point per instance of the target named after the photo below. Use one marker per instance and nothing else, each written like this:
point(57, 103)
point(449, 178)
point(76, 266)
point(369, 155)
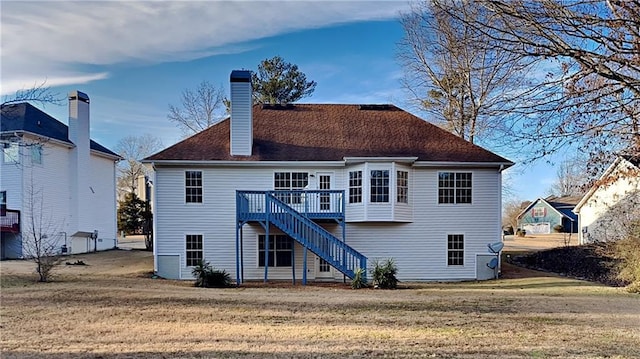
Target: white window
point(11, 153)
point(193, 249)
point(355, 187)
point(539, 212)
point(36, 154)
point(193, 186)
point(290, 181)
point(379, 186)
point(455, 249)
point(454, 187)
point(402, 186)
point(280, 250)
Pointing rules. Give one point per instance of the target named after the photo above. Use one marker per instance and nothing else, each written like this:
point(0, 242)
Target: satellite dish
point(495, 247)
point(493, 263)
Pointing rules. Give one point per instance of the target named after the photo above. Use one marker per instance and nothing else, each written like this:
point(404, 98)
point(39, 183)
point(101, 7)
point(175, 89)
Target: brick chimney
point(80, 167)
point(241, 113)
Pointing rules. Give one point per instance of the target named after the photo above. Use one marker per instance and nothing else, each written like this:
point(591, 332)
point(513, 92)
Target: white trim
point(357, 160)
point(183, 163)
point(500, 165)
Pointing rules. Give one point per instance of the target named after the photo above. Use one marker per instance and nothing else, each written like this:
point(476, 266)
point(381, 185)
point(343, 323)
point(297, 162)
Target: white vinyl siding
point(418, 246)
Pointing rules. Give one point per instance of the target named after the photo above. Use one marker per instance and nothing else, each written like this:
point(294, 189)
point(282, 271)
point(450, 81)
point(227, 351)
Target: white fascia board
point(182, 163)
point(357, 160)
point(105, 155)
point(500, 165)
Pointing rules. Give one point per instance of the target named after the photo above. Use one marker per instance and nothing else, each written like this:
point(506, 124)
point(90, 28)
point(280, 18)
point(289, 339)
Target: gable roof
point(561, 205)
point(26, 118)
point(329, 132)
point(632, 160)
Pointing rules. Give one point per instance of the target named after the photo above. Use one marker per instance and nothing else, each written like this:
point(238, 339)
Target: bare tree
point(591, 97)
point(39, 93)
point(510, 211)
point(570, 179)
point(133, 149)
point(40, 235)
point(199, 108)
point(456, 73)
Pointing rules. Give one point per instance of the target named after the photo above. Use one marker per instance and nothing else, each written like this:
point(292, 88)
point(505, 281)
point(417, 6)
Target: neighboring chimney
point(80, 167)
point(241, 113)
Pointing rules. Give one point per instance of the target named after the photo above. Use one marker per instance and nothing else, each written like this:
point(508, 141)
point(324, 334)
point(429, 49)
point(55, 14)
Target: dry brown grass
point(112, 309)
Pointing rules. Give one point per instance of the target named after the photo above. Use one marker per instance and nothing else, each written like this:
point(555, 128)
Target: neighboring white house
point(612, 204)
point(318, 190)
point(57, 178)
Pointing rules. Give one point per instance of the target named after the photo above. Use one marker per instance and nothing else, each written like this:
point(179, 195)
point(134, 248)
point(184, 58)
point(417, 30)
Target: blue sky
point(133, 59)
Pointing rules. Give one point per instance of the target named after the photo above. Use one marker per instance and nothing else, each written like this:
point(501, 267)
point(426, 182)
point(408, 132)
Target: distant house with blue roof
point(56, 183)
point(544, 214)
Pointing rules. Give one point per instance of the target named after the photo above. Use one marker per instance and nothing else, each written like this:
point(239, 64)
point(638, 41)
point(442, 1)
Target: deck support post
point(304, 267)
point(267, 211)
point(293, 262)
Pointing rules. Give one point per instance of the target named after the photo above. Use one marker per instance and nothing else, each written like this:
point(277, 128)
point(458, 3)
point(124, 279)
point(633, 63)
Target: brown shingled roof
point(307, 132)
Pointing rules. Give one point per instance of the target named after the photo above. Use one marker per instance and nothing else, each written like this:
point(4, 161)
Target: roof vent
point(277, 106)
point(376, 107)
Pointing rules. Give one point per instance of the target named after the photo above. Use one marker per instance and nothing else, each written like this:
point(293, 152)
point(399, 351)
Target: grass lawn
point(112, 309)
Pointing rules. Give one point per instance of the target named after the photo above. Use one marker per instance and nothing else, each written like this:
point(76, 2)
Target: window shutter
point(544, 212)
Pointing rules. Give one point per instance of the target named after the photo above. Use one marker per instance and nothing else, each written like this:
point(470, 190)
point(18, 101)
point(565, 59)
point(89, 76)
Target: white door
point(323, 269)
point(325, 182)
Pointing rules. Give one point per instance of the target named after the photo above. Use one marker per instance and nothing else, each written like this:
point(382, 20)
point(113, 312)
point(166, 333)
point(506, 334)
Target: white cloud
point(74, 42)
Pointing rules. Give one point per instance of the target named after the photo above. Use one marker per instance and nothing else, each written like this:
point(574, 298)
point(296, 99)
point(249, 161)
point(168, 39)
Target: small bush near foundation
point(558, 228)
point(384, 274)
point(521, 232)
point(209, 277)
point(359, 280)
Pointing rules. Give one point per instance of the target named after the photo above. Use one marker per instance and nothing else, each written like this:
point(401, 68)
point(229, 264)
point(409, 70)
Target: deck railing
point(10, 220)
point(314, 204)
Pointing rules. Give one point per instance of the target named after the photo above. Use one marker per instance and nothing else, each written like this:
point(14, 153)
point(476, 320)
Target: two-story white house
point(612, 204)
point(55, 182)
point(316, 191)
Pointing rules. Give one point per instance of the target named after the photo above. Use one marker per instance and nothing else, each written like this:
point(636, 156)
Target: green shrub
point(558, 228)
point(359, 279)
point(384, 274)
point(209, 277)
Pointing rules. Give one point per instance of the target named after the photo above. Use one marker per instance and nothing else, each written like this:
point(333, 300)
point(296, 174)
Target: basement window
point(280, 250)
point(194, 249)
point(455, 249)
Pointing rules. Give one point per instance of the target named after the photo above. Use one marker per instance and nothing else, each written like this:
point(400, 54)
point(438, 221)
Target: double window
point(194, 249)
point(193, 186)
point(355, 187)
point(539, 212)
point(288, 181)
point(379, 186)
point(454, 187)
point(455, 249)
point(280, 250)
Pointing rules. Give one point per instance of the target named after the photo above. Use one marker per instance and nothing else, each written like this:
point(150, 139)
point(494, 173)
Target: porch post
point(237, 253)
point(267, 211)
point(304, 267)
point(293, 261)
